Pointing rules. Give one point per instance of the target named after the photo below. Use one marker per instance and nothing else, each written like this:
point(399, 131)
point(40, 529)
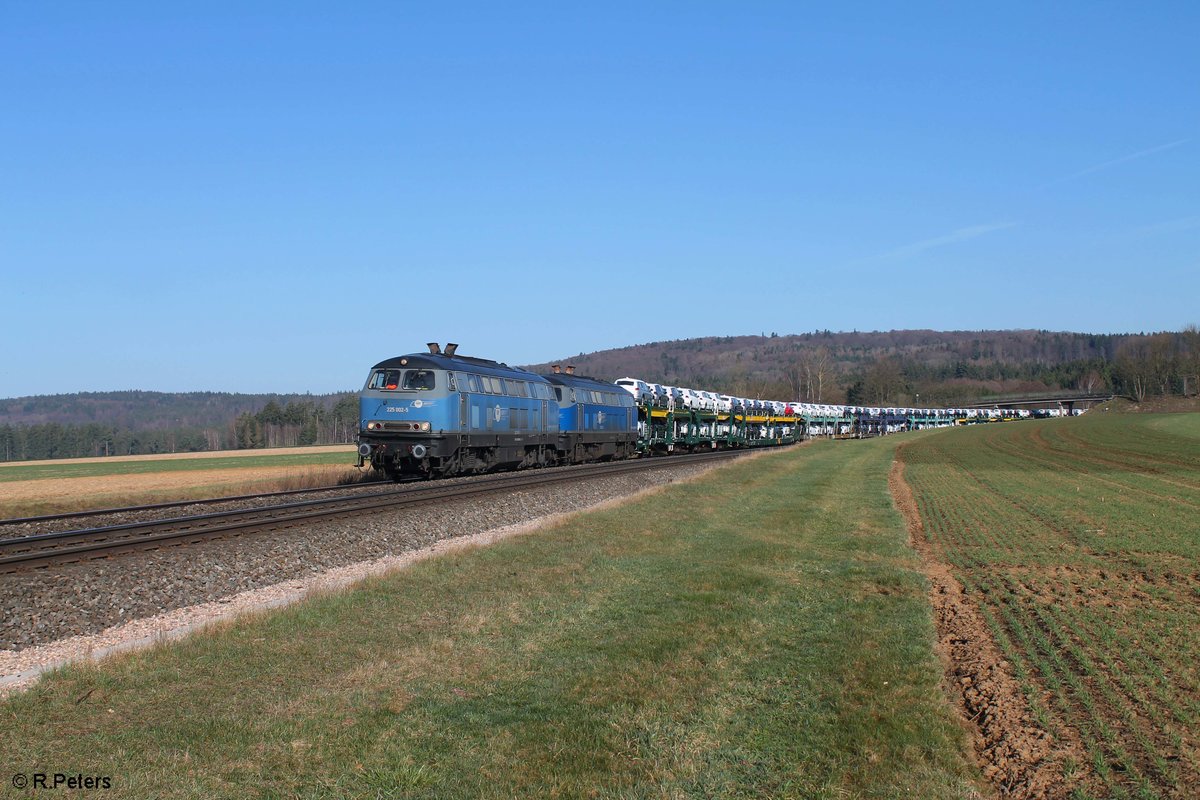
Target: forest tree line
point(296, 422)
point(1162, 364)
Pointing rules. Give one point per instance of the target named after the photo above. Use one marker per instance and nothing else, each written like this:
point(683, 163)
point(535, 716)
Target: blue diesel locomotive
point(434, 414)
point(597, 421)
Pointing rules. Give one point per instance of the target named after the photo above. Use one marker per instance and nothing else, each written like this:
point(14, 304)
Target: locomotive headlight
point(374, 425)
point(424, 426)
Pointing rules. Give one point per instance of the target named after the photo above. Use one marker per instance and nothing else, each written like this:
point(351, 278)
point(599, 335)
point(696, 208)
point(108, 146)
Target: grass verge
point(760, 632)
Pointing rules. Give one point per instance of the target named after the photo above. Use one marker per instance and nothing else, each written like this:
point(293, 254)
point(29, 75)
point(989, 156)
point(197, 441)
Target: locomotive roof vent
point(434, 347)
point(450, 348)
point(556, 369)
point(570, 369)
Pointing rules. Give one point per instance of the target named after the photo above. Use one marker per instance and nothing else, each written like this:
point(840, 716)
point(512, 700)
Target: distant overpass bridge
point(1064, 400)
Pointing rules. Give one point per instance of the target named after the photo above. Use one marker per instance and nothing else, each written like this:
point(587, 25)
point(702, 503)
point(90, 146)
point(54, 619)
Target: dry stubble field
point(43, 487)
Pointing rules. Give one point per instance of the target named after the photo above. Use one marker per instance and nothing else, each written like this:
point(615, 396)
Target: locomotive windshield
point(419, 379)
point(406, 379)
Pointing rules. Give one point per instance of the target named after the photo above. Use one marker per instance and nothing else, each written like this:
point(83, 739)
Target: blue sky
point(273, 197)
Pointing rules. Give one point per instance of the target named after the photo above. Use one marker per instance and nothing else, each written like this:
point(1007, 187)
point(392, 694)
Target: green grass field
point(1078, 540)
point(761, 632)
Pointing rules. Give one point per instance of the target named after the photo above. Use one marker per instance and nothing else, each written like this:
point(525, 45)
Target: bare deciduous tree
point(884, 381)
point(1091, 381)
point(809, 373)
point(820, 369)
point(1133, 368)
point(1189, 360)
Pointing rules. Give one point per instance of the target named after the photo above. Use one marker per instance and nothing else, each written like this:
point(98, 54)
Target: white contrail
point(1121, 160)
point(960, 235)
point(1169, 226)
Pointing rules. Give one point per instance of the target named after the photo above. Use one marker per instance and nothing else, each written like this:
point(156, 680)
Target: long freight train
point(439, 413)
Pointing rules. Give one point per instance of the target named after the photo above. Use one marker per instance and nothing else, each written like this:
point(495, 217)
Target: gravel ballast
point(79, 601)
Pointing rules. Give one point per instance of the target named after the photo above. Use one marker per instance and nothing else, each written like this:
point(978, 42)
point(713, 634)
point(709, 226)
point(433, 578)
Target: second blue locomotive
point(439, 413)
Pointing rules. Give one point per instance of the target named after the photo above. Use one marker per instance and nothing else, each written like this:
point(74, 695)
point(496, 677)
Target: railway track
point(99, 512)
point(49, 549)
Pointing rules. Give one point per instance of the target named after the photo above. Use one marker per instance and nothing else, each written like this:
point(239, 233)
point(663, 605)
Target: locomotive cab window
point(419, 379)
point(385, 379)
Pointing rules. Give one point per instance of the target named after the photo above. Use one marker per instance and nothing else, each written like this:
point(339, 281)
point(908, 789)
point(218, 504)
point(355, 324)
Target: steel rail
point(97, 512)
point(42, 550)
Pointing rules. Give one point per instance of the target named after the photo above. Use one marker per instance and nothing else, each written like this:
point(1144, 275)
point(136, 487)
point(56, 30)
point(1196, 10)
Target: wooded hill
point(929, 368)
point(143, 410)
point(137, 423)
point(944, 368)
